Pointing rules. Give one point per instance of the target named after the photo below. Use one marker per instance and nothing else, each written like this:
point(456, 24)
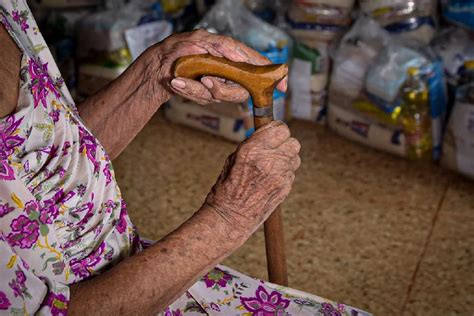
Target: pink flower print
point(265, 304)
point(88, 146)
point(82, 267)
point(328, 310)
point(4, 302)
point(41, 84)
point(25, 232)
point(122, 222)
point(9, 141)
point(216, 278)
point(5, 209)
point(57, 303)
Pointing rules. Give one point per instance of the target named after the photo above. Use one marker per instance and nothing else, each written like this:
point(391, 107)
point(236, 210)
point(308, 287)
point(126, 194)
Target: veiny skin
point(255, 179)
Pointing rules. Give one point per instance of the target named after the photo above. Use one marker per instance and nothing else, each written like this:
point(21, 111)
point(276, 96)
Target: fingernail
point(242, 54)
point(207, 82)
point(178, 83)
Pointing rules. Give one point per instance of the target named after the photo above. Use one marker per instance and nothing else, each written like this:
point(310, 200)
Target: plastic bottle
point(415, 117)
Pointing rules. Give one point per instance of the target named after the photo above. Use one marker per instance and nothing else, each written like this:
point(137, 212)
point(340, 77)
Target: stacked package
point(405, 19)
point(234, 121)
point(455, 46)
point(387, 95)
point(314, 24)
point(109, 40)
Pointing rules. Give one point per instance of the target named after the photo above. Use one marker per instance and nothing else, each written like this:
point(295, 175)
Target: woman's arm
point(255, 179)
point(119, 111)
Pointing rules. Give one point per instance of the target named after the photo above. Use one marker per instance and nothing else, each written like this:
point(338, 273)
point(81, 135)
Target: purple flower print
point(216, 278)
point(5, 209)
point(4, 302)
point(328, 310)
point(88, 146)
point(54, 115)
point(25, 232)
point(9, 141)
point(122, 222)
point(21, 19)
point(82, 267)
point(81, 190)
point(66, 147)
point(50, 210)
point(265, 304)
point(41, 84)
point(169, 312)
point(215, 307)
point(18, 284)
point(107, 174)
point(57, 303)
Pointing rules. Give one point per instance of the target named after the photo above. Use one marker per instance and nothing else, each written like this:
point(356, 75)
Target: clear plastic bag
point(233, 19)
point(369, 70)
point(407, 19)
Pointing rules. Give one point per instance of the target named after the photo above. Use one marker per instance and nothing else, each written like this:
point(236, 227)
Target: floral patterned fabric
point(62, 217)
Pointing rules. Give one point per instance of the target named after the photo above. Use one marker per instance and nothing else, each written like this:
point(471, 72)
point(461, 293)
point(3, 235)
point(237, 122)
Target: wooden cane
point(260, 81)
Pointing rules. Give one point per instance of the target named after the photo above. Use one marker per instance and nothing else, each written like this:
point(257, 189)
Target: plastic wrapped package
point(231, 121)
point(460, 12)
point(407, 19)
point(319, 20)
point(455, 46)
point(308, 79)
point(369, 74)
point(233, 19)
point(458, 146)
point(109, 40)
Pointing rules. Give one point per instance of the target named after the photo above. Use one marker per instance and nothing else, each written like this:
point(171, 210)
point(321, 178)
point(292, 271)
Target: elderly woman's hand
point(256, 179)
point(210, 89)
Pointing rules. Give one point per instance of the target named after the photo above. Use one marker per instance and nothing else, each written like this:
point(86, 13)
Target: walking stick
point(260, 81)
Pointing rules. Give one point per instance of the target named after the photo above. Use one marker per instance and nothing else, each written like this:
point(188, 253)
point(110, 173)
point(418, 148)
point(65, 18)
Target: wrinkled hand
point(209, 89)
point(256, 178)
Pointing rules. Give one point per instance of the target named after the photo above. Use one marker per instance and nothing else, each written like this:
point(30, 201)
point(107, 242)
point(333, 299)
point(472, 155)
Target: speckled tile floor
point(362, 227)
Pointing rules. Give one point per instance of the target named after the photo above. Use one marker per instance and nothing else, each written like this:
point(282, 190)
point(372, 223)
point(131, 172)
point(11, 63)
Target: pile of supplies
point(395, 75)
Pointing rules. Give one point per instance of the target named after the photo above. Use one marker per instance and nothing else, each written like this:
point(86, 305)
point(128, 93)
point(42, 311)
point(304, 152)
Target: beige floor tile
point(355, 222)
point(445, 282)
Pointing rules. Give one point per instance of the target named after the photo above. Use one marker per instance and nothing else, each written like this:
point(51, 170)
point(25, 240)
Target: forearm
point(150, 281)
point(119, 111)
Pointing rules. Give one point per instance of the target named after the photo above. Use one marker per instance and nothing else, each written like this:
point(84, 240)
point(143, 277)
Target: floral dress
point(62, 216)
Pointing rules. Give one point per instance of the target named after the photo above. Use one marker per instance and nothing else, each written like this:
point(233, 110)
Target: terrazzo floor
point(361, 227)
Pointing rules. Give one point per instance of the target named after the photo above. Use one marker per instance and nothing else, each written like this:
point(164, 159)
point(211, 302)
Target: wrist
point(154, 82)
point(227, 233)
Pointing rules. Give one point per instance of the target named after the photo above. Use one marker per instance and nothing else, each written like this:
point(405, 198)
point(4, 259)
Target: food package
point(109, 40)
point(233, 19)
point(458, 146)
point(314, 24)
point(229, 120)
point(308, 79)
point(460, 12)
point(368, 72)
point(319, 20)
point(455, 47)
point(406, 19)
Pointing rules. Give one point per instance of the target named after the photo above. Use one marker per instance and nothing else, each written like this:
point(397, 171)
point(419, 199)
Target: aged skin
point(256, 177)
